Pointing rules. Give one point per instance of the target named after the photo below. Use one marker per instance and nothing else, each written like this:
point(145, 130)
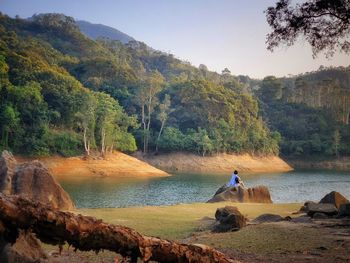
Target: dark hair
point(235, 172)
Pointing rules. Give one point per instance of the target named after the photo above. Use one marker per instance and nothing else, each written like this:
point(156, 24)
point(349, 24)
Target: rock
point(301, 219)
point(304, 208)
point(318, 215)
point(26, 249)
point(221, 189)
point(258, 194)
point(229, 219)
point(32, 180)
point(334, 198)
point(328, 209)
point(268, 218)
point(344, 210)
point(7, 170)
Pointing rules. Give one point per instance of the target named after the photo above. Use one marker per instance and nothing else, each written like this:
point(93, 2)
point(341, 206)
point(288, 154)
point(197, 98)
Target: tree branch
point(87, 233)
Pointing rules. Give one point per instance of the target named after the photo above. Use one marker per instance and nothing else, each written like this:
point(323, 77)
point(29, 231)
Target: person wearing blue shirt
point(235, 180)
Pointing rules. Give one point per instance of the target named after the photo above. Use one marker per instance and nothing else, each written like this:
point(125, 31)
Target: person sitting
point(235, 180)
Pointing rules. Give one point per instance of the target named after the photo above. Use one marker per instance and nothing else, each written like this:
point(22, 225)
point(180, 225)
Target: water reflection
point(296, 186)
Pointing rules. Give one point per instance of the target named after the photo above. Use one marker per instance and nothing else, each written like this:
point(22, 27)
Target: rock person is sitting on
point(235, 181)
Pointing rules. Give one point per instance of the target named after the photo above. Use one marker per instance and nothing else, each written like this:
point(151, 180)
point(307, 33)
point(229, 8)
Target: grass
point(269, 242)
point(178, 221)
point(268, 238)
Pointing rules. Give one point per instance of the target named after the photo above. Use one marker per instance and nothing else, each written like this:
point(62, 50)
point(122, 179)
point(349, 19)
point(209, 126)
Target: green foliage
point(43, 108)
point(62, 93)
point(65, 143)
point(271, 89)
point(312, 112)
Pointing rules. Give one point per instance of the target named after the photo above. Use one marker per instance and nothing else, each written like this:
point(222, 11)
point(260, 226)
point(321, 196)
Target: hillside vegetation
point(310, 111)
point(63, 93)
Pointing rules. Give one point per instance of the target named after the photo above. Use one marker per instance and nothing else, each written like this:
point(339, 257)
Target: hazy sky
point(217, 33)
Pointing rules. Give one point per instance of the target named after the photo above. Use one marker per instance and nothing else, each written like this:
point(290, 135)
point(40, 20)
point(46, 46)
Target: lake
point(295, 186)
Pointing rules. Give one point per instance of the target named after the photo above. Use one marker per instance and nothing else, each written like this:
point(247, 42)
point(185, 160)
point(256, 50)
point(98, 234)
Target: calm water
point(296, 186)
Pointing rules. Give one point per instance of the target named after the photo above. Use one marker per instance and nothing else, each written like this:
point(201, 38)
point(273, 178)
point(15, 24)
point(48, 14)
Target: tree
point(9, 120)
point(105, 119)
point(164, 111)
point(226, 72)
point(146, 98)
point(271, 89)
point(325, 24)
point(86, 119)
point(336, 142)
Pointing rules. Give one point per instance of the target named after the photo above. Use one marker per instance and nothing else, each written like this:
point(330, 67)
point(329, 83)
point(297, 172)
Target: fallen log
point(87, 233)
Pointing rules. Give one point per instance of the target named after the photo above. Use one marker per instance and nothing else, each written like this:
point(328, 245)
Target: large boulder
point(7, 170)
point(26, 249)
point(305, 207)
point(327, 209)
point(228, 219)
point(258, 194)
point(344, 210)
point(32, 180)
point(334, 198)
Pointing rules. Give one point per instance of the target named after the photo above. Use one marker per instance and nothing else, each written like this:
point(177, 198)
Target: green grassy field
point(178, 221)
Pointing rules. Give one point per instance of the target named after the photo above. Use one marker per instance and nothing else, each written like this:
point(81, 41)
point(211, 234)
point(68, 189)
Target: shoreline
point(120, 165)
point(216, 164)
point(340, 164)
point(117, 164)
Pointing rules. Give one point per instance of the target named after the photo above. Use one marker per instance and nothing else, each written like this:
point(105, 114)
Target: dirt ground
point(117, 164)
point(320, 241)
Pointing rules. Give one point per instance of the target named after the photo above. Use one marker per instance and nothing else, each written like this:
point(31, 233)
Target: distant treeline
point(63, 93)
point(310, 111)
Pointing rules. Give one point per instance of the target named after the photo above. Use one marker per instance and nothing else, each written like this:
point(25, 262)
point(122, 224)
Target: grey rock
point(344, 210)
point(301, 219)
point(328, 209)
point(305, 207)
point(268, 218)
point(320, 216)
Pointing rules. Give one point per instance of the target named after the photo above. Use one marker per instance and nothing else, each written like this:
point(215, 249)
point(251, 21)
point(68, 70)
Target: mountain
point(95, 31)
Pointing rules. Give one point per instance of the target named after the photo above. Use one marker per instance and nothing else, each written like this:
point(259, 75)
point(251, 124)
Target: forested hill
point(95, 31)
point(64, 93)
point(311, 111)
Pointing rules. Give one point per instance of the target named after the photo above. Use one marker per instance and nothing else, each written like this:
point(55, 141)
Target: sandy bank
point(222, 163)
point(116, 164)
point(341, 164)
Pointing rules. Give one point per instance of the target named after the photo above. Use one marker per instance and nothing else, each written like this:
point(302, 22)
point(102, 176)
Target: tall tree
point(86, 119)
point(146, 98)
point(9, 121)
point(164, 111)
point(325, 24)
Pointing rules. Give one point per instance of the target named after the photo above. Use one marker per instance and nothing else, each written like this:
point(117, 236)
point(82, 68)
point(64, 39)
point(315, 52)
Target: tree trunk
point(86, 143)
point(148, 123)
point(87, 233)
point(103, 137)
point(144, 127)
point(159, 134)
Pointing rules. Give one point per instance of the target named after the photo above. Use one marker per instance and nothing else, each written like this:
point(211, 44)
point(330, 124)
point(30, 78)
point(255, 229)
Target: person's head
point(235, 172)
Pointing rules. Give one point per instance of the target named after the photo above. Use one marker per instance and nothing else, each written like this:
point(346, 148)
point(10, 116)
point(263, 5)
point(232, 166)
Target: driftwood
point(86, 233)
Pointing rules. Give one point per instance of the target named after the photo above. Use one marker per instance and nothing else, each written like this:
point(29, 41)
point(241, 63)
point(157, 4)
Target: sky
point(216, 33)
